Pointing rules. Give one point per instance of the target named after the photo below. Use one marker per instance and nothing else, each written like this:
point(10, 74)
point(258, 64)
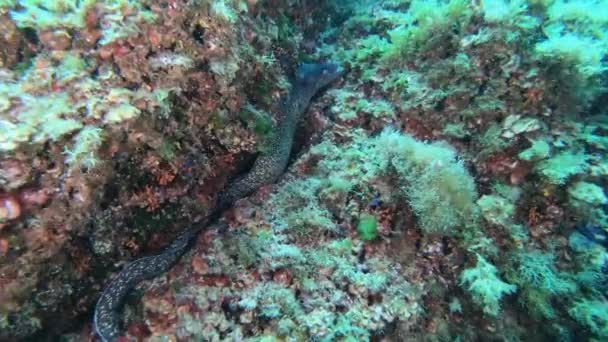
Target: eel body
point(310, 78)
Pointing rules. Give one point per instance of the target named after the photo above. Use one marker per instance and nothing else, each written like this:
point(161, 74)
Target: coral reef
point(114, 119)
point(451, 187)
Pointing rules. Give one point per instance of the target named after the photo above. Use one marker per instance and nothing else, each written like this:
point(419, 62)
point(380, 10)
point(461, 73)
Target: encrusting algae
point(450, 184)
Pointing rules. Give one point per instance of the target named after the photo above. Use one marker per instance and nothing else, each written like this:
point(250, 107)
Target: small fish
point(375, 202)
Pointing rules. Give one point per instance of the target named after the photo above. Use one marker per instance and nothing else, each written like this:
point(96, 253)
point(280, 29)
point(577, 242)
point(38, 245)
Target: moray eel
point(268, 167)
point(309, 79)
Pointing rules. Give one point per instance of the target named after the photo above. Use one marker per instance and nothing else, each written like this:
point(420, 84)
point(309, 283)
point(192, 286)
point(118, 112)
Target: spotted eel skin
point(310, 78)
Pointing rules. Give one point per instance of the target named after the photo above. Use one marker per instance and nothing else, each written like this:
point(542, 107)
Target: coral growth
point(485, 286)
point(458, 169)
point(109, 111)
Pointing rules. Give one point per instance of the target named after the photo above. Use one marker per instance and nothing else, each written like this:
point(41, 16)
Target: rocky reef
point(451, 186)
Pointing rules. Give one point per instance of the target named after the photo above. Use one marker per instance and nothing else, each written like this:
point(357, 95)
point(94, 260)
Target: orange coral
point(132, 246)
point(165, 177)
point(44, 241)
point(147, 199)
point(534, 217)
point(80, 261)
point(533, 96)
point(199, 265)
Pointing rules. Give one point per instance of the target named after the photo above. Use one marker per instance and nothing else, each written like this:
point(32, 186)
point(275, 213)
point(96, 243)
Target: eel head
point(310, 78)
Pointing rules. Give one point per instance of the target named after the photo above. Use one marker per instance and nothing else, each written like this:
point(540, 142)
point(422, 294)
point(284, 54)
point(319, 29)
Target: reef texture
point(120, 121)
point(451, 187)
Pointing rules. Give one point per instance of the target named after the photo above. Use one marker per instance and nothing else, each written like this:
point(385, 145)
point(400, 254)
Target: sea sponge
point(367, 227)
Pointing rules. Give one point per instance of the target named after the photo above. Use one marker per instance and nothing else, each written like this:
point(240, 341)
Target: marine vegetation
point(303, 170)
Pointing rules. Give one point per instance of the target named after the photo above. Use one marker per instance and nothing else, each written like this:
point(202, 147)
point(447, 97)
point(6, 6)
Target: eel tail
point(106, 319)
